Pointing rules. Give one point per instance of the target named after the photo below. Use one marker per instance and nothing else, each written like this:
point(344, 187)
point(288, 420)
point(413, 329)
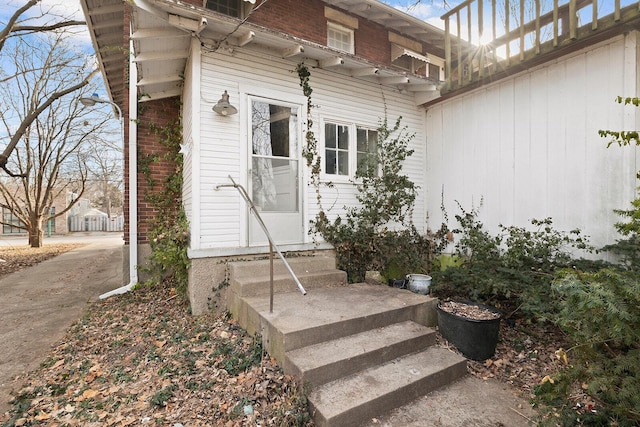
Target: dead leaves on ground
point(141, 359)
point(525, 355)
point(15, 258)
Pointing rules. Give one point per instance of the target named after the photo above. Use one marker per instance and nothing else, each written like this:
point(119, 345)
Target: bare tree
point(43, 118)
point(104, 162)
point(22, 24)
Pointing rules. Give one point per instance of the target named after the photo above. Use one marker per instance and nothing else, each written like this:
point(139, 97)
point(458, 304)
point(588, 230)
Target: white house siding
point(528, 146)
point(363, 103)
point(187, 139)
point(222, 148)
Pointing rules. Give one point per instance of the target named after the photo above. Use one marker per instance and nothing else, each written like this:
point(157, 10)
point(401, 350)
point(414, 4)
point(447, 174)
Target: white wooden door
point(274, 172)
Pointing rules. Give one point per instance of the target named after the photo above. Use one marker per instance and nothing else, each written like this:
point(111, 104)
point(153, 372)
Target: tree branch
point(4, 34)
point(11, 26)
point(38, 28)
point(29, 119)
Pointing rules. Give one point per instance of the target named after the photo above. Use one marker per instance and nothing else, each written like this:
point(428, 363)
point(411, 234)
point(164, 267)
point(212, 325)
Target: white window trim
point(342, 28)
point(353, 149)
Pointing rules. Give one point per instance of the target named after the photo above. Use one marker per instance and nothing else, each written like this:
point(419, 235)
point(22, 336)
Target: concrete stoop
point(356, 399)
point(361, 349)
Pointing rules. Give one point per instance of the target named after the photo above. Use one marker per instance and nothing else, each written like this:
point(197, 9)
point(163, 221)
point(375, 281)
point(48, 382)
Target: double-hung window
point(348, 148)
point(340, 37)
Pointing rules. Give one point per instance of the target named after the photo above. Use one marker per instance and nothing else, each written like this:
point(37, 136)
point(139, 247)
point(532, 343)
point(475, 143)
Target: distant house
point(512, 122)
point(82, 217)
point(11, 224)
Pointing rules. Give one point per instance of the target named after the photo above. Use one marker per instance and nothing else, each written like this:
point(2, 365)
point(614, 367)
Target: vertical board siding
point(529, 146)
point(223, 148)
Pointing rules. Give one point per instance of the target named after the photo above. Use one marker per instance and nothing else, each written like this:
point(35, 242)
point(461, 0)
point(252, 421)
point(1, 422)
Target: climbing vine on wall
point(169, 228)
point(310, 150)
point(362, 238)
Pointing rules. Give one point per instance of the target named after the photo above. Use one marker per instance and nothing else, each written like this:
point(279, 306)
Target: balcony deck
point(484, 44)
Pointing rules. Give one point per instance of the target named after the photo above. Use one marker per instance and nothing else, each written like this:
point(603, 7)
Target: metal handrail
point(272, 245)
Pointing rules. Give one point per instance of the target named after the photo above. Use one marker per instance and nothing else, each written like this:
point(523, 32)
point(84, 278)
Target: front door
point(274, 183)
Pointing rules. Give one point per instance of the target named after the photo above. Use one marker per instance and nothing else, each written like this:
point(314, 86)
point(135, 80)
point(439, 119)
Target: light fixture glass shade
point(90, 102)
point(223, 107)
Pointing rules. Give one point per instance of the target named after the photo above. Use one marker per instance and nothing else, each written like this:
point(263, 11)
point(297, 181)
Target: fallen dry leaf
point(141, 356)
point(20, 256)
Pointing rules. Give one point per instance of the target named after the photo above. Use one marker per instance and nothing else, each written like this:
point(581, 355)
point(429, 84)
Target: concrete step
point(246, 270)
point(354, 400)
point(260, 285)
point(327, 361)
point(327, 314)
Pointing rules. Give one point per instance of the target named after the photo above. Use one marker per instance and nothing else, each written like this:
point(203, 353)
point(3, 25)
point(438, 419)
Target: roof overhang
point(105, 20)
point(161, 33)
point(393, 19)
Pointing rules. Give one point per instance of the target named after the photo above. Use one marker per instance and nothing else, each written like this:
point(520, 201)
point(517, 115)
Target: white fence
point(96, 223)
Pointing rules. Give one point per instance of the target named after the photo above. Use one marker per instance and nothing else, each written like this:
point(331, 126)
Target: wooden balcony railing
point(488, 39)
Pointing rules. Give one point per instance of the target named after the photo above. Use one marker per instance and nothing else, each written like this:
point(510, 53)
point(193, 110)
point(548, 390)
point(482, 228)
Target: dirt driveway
point(39, 303)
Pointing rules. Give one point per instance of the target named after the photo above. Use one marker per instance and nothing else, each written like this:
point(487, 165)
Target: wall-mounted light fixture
point(223, 107)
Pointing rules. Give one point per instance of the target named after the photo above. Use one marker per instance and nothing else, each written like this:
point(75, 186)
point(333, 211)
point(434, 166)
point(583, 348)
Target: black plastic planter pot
point(476, 339)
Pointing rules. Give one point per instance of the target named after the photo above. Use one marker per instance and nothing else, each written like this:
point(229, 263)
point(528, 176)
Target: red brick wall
point(372, 42)
point(158, 113)
point(301, 18)
point(305, 19)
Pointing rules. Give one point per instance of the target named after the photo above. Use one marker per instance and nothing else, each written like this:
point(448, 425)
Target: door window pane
point(275, 184)
point(274, 166)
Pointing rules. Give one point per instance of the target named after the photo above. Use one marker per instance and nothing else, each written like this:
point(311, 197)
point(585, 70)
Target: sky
point(426, 10)
point(62, 8)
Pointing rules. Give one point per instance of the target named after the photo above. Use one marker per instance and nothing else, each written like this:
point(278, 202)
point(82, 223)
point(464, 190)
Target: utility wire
point(225, 38)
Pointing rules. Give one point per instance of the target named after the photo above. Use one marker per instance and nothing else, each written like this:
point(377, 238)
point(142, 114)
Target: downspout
point(133, 170)
point(133, 182)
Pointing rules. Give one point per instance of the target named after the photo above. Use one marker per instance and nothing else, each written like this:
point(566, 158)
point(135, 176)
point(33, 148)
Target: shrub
point(514, 268)
point(379, 234)
point(599, 313)
point(628, 250)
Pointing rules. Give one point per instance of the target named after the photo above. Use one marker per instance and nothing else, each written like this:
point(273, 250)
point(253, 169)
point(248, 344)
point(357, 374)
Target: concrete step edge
point(348, 326)
point(241, 269)
point(285, 276)
point(285, 283)
point(327, 361)
point(355, 399)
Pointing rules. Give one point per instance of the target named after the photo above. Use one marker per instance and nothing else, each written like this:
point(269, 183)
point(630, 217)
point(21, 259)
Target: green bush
point(169, 228)
point(628, 250)
point(513, 269)
point(599, 313)
point(379, 234)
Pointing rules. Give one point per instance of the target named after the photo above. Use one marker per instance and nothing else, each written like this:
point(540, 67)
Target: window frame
point(352, 150)
point(243, 8)
point(371, 151)
point(11, 223)
point(333, 26)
